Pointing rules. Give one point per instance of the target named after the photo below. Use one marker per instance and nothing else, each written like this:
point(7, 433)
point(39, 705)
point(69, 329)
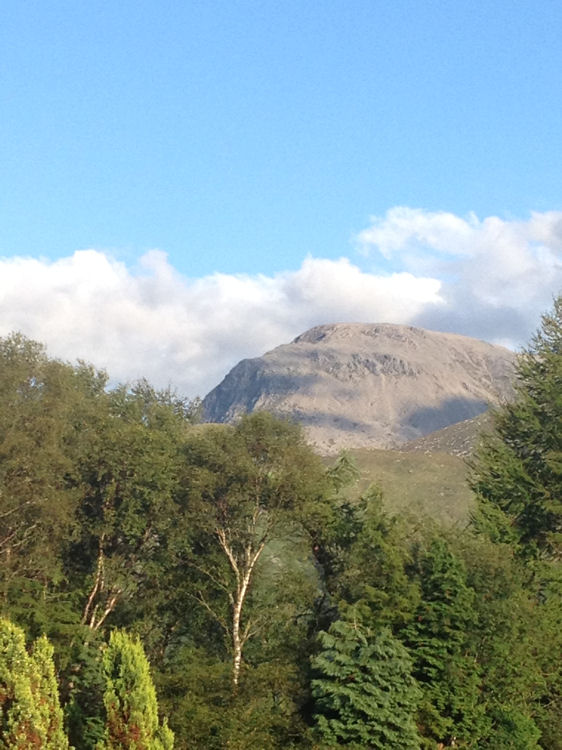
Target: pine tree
point(130, 699)
point(517, 475)
point(364, 692)
point(509, 627)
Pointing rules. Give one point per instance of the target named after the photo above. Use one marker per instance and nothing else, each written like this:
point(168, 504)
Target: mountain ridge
point(361, 385)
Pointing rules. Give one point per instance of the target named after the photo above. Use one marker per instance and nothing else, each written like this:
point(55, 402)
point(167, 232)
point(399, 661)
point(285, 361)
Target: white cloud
point(497, 275)
point(404, 227)
point(153, 322)
point(489, 278)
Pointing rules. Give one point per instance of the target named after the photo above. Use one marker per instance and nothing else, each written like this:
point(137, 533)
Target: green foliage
point(30, 713)
point(38, 397)
point(20, 725)
point(130, 699)
point(127, 476)
point(518, 472)
point(45, 689)
point(264, 713)
point(363, 689)
point(547, 647)
point(376, 572)
point(517, 476)
point(83, 688)
point(343, 472)
point(333, 541)
point(217, 542)
point(246, 487)
point(437, 639)
point(506, 637)
point(513, 730)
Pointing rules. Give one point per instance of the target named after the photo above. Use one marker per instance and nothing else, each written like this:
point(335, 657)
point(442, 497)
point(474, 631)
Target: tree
point(245, 487)
point(363, 690)
point(376, 568)
point(39, 398)
point(517, 478)
point(126, 478)
point(45, 689)
point(126, 468)
point(517, 474)
point(508, 635)
point(437, 638)
point(30, 713)
point(130, 699)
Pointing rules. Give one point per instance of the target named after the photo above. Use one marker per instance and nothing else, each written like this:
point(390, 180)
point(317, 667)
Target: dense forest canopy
point(165, 583)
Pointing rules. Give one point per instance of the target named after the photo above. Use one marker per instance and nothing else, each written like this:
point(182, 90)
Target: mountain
point(354, 385)
point(459, 439)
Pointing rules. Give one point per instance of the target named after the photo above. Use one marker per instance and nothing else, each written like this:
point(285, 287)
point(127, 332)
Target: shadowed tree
point(363, 689)
point(437, 638)
point(517, 474)
point(517, 477)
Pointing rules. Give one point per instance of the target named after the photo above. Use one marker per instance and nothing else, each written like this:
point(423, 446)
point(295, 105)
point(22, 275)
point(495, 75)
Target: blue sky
point(239, 138)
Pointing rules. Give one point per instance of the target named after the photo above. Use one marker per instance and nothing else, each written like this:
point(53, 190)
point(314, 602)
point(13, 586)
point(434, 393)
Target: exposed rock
point(361, 385)
point(459, 439)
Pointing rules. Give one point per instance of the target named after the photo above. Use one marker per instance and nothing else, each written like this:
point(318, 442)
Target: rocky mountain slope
point(459, 439)
point(358, 385)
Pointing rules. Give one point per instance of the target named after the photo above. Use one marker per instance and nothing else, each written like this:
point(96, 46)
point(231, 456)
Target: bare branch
point(98, 585)
point(228, 552)
point(25, 536)
point(109, 608)
point(211, 576)
point(6, 539)
point(7, 513)
point(221, 621)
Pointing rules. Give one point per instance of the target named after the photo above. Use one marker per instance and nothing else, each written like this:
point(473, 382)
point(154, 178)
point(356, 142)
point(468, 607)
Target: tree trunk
point(243, 570)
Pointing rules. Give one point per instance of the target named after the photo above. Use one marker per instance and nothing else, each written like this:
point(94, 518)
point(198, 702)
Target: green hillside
point(426, 477)
point(428, 484)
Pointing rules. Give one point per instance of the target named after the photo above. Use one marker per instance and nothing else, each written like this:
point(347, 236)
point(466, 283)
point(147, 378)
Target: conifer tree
point(517, 474)
point(376, 569)
point(130, 699)
point(437, 639)
point(364, 692)
point(45, 689)
point(30, 714)
point(20, 725)
point(517, 477)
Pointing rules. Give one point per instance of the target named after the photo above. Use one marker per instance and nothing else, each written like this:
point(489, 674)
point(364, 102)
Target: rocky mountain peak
point(367, 385)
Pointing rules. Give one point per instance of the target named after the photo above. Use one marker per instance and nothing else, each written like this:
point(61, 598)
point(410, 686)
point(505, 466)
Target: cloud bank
point(489, 278)
point(497, 276)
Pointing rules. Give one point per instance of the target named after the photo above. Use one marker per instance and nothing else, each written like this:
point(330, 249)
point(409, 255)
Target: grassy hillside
point(426, 477)
point(428, 484)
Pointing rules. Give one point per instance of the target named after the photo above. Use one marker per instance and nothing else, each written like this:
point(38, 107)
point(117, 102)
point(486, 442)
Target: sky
point(187, 183)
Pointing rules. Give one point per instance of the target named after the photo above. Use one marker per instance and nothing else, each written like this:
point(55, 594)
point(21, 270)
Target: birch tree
point(126, 481)
point(244, 484)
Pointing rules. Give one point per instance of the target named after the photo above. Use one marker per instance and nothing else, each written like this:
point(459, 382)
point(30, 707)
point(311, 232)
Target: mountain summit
point(367, 385)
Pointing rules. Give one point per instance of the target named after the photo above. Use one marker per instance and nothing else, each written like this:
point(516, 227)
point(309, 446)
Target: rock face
point(357, 385)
